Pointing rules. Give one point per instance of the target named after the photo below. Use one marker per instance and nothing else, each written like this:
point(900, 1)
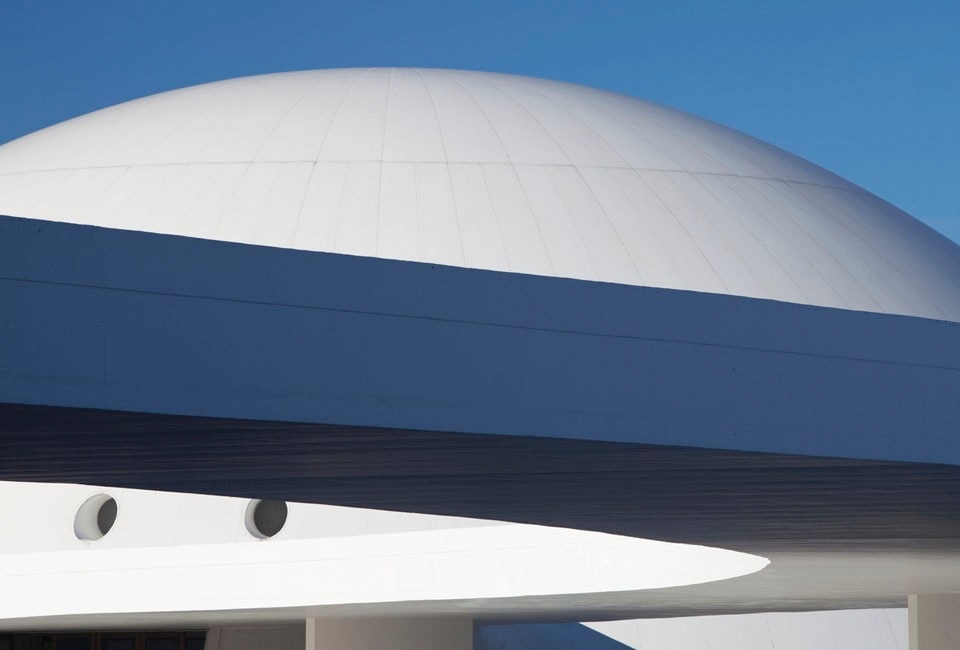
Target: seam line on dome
point(513, 326)
point(578, 119)
point(506, 153)
point(826, 242)
point(572, 220)
point(286, 114)
point(682, 224)
point(579, 173)
point(383, 139)
point(446, 164)
point(852, 190)
point(788, 218)
point(736, 243)
point(734, 215)
point(861, 232)
point(655, 117)
point(651, 233)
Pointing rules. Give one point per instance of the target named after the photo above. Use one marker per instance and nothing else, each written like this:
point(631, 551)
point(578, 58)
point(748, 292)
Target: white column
point(389, 634)
point(934, 622)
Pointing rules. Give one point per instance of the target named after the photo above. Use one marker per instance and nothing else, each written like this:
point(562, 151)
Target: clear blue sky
point(868, 89)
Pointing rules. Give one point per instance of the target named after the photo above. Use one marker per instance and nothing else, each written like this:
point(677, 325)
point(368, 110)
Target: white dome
point(485, 171)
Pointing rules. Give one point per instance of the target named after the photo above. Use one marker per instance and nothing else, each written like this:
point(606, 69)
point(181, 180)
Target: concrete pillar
point(389, 634)
point(934, 622)
point(212, 641)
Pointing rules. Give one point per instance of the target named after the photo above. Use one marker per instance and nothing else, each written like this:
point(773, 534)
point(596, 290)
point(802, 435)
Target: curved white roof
point(191, 555)
point(485, 171)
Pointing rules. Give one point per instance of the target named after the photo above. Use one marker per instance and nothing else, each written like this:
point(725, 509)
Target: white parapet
point(171, 559)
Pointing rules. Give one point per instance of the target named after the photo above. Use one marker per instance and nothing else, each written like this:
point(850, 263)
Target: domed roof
point(485, 171)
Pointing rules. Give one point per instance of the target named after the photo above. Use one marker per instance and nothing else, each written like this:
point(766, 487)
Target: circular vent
point(265, 517)
point(95, 517)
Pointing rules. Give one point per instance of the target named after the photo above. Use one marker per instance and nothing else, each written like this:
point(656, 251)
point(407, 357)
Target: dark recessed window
point(84, 642)
point(162, 643)
point(118, 643)
point(194, 642)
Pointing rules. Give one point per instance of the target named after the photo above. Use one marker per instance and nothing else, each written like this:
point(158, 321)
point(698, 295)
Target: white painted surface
point(45, 512)
point(181, 553)
point(485, 171)
point(868, 629)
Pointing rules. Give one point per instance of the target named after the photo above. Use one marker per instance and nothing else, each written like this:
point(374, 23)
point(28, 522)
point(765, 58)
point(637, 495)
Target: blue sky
point(870, 90)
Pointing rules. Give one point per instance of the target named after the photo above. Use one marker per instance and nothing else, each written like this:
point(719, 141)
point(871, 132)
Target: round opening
point(265, 517)
point(95, 517)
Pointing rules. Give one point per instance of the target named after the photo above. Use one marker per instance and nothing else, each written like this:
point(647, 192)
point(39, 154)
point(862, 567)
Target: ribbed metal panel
point(749, 501)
